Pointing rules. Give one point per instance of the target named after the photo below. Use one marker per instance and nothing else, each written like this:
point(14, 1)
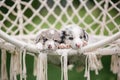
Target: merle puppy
point(74, 36)
point(48, 39)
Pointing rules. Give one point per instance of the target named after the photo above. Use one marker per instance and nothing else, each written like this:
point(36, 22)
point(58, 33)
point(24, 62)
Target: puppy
point(48, 39)
point(74, 36)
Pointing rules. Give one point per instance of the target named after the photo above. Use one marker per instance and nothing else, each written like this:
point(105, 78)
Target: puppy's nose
point(49, 47)
point(77, 45)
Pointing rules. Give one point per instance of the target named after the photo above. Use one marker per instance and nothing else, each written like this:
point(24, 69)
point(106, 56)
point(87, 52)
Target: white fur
point(49, 35)
point(75, 32)
point(39, 46)
point(50, 43)
point(52, 32)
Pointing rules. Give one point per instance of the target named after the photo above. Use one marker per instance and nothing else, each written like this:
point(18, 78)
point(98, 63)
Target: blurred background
point(26, 17)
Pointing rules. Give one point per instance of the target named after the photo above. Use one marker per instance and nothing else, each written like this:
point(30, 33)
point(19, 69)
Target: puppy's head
point(75, 36)
point(49, 38)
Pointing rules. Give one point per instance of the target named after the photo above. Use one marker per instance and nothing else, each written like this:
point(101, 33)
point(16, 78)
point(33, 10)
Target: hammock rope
point(32, 48)
point(92, 63)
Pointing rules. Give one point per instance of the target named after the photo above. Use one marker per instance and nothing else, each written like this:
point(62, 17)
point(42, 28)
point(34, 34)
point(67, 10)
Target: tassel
point(41, 72)
point(100, 66)
point(35, 65)
point(22, 64)
point(64, 67)
point(4, 75)
point(11, 68)
point(40, 64)
point(87, 68)
point(39, 47)
point(118, 74)
point(95, 63)
point(92, 63)
point(114, 64)
point(21, 77)
point(17, 61)
point(15, 65)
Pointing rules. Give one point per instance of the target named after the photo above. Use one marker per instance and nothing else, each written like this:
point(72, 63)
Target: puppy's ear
point(57, 36)
point(85, 35)
point(64, 32)
point(38, 38)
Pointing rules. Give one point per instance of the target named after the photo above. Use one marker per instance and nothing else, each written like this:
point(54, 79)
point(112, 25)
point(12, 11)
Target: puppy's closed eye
point(57, 41)
point(44, 39)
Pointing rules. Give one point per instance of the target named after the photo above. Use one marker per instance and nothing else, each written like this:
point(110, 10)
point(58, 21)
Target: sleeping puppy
point(48, 39)
point(74, 36)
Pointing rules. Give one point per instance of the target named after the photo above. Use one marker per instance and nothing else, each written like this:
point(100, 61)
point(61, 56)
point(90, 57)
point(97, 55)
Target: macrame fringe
point(18, 65)
point(92, 63)
point(64, 67)
point(87, 69)
point(114, 64)
point(35, 65)
point(118, 74)
point(15, 65)
point(24, 65)
point(115, 60)
point(40, 67)
point(4, 75)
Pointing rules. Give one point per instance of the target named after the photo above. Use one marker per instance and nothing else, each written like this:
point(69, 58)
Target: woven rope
point(16, 20)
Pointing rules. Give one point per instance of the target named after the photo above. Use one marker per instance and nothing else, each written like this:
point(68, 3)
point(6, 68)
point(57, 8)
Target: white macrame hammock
point(22, 19)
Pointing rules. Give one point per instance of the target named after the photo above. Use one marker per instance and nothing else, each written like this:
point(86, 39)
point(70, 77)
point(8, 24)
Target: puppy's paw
point(64, 46)
point(85, 43)
point(68, 46)
point(39, 46)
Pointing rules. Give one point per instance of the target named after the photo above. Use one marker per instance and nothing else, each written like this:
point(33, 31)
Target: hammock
point(20, 20)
